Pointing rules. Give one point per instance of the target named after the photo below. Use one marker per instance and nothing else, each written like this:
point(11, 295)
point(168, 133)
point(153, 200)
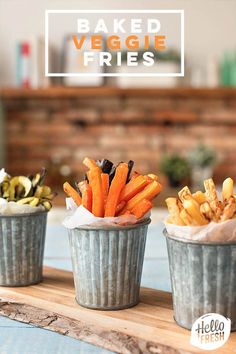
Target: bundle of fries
point(109, 191)
point(200, 208)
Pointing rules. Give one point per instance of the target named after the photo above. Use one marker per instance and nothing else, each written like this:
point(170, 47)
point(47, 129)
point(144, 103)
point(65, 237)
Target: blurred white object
point(38, 78)
point(212, 72)
point(197, 77)
point(161, 67)
point(74, 63)
point(200, 174)
point(3, 174)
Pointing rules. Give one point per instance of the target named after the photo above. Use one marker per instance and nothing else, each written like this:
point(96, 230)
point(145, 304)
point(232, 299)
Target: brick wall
point(61, 129)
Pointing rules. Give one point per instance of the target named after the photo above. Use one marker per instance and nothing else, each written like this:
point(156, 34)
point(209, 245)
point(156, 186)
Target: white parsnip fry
point(199, 197)
point(174, 210)
point(184, 194)
point(229, 210)
point(187, 219)
point(194, 211)
point(227, 188)
point(200, 208)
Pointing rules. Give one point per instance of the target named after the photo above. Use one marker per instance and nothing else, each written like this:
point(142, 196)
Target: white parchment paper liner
point(213, 232)
point(3, 174)
point(12, 208)
point(79, 216)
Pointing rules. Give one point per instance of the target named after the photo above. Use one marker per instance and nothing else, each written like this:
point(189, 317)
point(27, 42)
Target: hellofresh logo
point(109, 39)
point(210, 331)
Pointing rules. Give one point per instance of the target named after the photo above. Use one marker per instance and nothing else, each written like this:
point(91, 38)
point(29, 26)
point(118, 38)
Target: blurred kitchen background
point(181, 128)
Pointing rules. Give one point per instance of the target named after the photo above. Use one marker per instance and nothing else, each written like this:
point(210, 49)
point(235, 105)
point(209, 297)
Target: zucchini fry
point(117, 184)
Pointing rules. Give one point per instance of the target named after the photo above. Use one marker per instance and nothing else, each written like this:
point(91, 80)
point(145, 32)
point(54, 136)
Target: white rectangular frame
point(48, 74)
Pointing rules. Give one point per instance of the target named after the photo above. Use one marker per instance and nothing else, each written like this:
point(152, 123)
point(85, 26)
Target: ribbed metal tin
point(107, 265)
point(22, 239)
point(203, 279)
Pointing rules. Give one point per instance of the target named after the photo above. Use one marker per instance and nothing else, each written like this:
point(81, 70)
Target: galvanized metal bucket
point(107, 265)
point(22, 239)
point(203, 279)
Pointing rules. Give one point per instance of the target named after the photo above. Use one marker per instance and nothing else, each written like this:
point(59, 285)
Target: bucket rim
point(195, 242)
point(40, 212)
point(113, 226)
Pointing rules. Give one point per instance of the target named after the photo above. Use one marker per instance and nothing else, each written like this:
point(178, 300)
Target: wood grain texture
point(146, 328)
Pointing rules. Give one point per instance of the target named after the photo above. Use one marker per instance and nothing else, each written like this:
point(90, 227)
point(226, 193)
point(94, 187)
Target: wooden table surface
point(146, 328)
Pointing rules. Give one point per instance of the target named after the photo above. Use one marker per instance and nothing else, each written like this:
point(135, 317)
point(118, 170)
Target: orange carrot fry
point(95, 181)
point(105, 186)
point(120, 206)
point(71, 192)
point(89, 163)
point(133, 187)
point(135, 174)
point(149, 192)
point(142, 208)
point(152, 176)
point(117, 185)
point(127, 213)
point(87, 196)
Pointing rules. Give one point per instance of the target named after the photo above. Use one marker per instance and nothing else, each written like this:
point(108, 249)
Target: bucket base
point(110, 308)
point(181, 325)
point(22, 285)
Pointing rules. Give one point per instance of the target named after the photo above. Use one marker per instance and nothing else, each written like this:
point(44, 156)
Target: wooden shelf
point(106, 91)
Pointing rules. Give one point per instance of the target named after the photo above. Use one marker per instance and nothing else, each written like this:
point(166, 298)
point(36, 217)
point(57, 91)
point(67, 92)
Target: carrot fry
point(149, 192)
point(133, 187)
point(117, 185)
point(142, 208)
point(105, 186)
point(120, 206)
point(152, 176)
point(127, 213)
point(71, 192)
point(87, 196)
point(95, 181)
point(135, 174)
point(89, 163)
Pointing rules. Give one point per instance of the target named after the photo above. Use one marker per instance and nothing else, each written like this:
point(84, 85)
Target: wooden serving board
point(146, 328)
